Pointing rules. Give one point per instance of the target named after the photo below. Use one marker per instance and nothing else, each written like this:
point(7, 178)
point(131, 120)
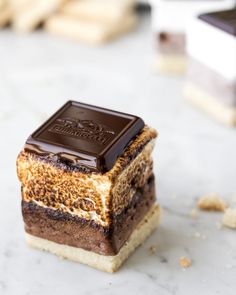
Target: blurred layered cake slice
point(88, 189)
point(170, 21)
point(211, 78)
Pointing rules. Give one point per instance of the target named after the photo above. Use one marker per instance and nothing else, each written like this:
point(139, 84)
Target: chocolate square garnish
point(224, 20)
point(85, 136)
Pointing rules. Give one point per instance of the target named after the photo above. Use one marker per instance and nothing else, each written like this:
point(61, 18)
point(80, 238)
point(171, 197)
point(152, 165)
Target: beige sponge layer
point(171, 64)
point(102, 262)
point(200, 98)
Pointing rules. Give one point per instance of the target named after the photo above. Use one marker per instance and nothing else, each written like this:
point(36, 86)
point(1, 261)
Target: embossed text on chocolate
point(83, 129)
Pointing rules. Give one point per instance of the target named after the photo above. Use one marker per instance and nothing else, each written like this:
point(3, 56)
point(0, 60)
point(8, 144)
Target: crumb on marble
point(229, 218)
point(211, 202)
point(185, 262)
point(152, 250)
point(163, 259)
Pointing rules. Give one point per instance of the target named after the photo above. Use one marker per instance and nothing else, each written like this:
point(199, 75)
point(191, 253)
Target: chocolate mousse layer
point(64, 228)
point(171, 43)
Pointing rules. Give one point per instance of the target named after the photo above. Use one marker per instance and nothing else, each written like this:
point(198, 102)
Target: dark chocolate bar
point(224, 20)
point(86, 136)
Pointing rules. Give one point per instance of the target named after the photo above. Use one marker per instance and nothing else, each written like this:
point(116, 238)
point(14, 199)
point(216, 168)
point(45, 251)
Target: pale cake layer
point(101, 262)
point(211, 105)
point(91, 196)
point(171, 63)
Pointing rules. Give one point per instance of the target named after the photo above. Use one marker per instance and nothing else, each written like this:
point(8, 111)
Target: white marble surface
point(194, 155)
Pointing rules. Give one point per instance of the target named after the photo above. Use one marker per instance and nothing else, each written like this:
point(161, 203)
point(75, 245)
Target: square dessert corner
point(88, 190)
point(211, 75)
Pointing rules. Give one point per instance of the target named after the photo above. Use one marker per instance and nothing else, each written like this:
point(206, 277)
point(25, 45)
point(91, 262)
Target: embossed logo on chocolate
point(83, 129)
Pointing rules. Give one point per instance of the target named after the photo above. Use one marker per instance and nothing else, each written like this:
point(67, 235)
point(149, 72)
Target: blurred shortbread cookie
point(2, 3)
point(89, 32)
point(229, 218)
point(34, 13)
point(104, 11)
point(211, 202)
point(20, 3)
point(5, 13)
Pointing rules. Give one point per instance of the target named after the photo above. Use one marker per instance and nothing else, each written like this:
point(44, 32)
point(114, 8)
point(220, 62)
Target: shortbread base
point(101, 262)
point(200, 98)
point(171, 64)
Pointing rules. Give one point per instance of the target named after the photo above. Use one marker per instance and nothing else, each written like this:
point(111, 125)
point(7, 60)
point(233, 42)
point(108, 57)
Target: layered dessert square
point(170, 21)
point(88, 188)
point(211, 78)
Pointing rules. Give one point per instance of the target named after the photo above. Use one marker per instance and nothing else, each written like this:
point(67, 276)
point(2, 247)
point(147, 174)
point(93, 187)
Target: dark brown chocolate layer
point(171, 43)
point(63, 228)
point(85, 136)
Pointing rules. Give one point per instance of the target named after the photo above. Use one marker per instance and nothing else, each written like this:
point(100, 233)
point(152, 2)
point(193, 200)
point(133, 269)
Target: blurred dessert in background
point(211, 75)
point(5, 13)
point(169, 21)
point(93, 21)
point(28, 15)
point(89, 21)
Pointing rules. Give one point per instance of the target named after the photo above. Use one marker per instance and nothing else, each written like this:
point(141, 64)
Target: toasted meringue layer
point(90, 196)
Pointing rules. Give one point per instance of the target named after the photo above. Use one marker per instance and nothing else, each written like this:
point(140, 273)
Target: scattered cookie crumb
point(229, 218)
point(194, 213)
point(163, 259)
point(152, 250)
point(184, 262)
point(212, 202)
